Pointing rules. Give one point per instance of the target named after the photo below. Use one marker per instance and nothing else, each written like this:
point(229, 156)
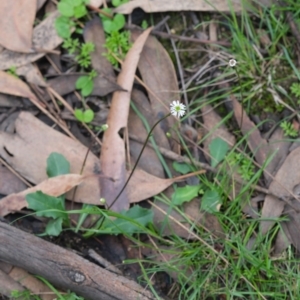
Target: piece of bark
point(65, 269)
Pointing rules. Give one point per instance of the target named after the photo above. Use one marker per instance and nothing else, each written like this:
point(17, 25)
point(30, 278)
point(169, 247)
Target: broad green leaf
point(211, 201)
point(81, 82)
point(185, 194)
point(218, 149)
point(44, 204)
point(84, 116)
point(65, 9)
point(54, 227)
point(80, 11)
point(132, 221)
point(62, 26)
point(77, 2)
point(85, 84)
point(107, 25)
point(88, 88)
point(118, 22)
point(182, 168)
point(57, 165)
point(88, 116)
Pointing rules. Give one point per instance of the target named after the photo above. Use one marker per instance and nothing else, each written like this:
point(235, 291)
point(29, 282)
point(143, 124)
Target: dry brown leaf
point(215, 128)
point(278, 148)
point(169, 255)
point(31, 283)
point(10, 101)
point(7, 284)
point(44, 37)
point(169, 220)
point(142, 187)
point(54, 186)
point(29, 147)
point(96, 3)
point(293, 225)
point(151, 6)
point(257, 145)
point(283, 240)
point(16, 23)
point(31, 144)
point(11, 85)
point(62, 84)
point(105, 82)
point(40, 3)
point(287, 177)
point(149, 161)
point(158, 73)
point(32, 74)
point(113, 148)
point(9, 182)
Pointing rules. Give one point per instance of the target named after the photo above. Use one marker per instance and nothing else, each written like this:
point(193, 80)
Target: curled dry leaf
point(54, 186)
point(113, 149)
point(151, 6)
point(16, 23)
point(31, 144)
point(44, 37)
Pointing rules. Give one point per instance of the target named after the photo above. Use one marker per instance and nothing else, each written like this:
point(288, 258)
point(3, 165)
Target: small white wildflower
point(232, 62)
point(177, 109)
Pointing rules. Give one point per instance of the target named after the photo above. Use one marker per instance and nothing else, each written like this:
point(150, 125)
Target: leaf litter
point(27, 147)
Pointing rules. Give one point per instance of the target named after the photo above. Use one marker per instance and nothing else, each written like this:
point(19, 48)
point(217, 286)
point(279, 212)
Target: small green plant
point(27, 295)
point(288, 129)
point(84, 116)
point(117, 43)
point(85, 83)
point(295, 89)
point(244, 165)
point(24, 295)
point(12, 71)
point(70, 11)
point(49, 206)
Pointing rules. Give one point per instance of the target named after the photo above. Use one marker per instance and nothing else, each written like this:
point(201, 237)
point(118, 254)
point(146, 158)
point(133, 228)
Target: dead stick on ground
point(65, 269)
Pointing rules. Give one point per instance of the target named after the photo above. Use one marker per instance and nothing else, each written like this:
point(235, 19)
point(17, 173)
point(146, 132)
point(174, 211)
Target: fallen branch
point(65, 269)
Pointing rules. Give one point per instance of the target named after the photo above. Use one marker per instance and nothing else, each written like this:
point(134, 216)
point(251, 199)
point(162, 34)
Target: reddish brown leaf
point(113, 149)
point(16, 23)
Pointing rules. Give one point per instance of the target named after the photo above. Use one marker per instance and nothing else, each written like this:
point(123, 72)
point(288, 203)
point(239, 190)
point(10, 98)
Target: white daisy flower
point(232, 62)
point(177, 109)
